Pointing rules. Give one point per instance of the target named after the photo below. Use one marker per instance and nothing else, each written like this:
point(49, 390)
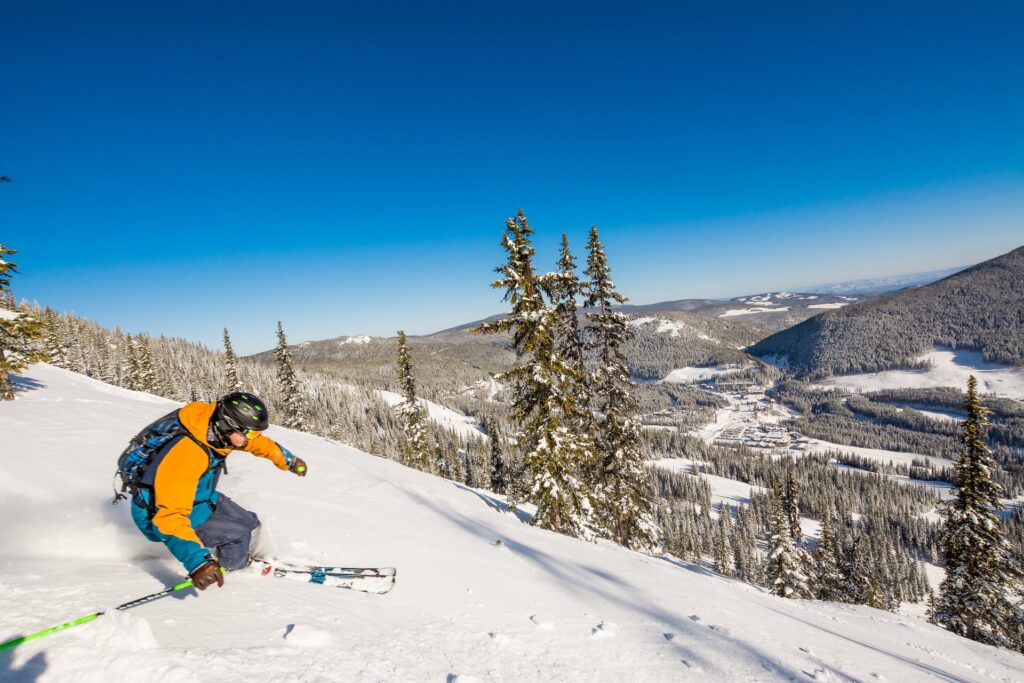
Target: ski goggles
point(235, 427)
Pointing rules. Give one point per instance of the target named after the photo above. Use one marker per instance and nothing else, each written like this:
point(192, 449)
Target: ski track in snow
point(536, 607)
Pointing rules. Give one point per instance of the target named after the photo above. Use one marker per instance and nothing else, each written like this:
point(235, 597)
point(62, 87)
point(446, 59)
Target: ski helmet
point(240, 412)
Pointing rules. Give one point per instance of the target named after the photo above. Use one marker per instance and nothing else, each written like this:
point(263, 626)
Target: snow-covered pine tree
point(132, 378)
point(293, 406)
point(231, 380)
point(791, 504)
point(856, 570)
point(499, 478)
point(80, 359)
point(623, 480)
point(785, 572)
point(569, 337)
point(470, 468)
point(828, 579)
point(106, 364)
point(147, 377)
point(979, 597)
point(555, 454)
point(875, 595)
point(744, 546)
point(415, 450)
point(19, 331)
point(448, 462)
point(55, 343)
point(722, 553)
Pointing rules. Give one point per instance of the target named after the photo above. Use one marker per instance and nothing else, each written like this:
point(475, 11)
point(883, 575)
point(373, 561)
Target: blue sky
point(347, 169)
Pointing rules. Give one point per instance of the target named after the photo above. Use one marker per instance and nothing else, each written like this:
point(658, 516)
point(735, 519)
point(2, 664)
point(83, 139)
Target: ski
point(347, 571)
point(378, 580)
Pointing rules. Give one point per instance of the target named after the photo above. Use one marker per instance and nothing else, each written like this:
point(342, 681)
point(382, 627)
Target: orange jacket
point(179, 473)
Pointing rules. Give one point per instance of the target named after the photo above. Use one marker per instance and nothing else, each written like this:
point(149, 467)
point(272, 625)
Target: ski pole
point(89, 617)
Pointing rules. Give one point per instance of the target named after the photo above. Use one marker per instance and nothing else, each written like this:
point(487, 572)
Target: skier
point(172, 468)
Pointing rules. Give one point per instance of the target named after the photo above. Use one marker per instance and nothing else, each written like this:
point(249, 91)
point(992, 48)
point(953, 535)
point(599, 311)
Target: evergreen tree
point(543, 408)
point(441, 464)
point(147, 377)
point(292, 404)
point(744, 544)
point(106, 368)
point(416, 450)
point(18, 347)
point(722, 552)
point(875, 595)
point(19, 331)
point(55, 343)
point(132, 376)
point(978, 598)
point(880, 587)
point(569, 336)
point(231, 378)
point(785, 574)
point(828, 579)
point(469, 466)
point(856, 570)
point(623, 478)
point(791, 505)
point(499, 480)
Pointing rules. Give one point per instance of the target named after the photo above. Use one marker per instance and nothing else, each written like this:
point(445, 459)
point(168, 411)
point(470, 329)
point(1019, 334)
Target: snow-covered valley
point(536, 606)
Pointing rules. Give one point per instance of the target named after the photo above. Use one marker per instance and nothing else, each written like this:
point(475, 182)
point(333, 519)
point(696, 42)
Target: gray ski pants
point(228, 532)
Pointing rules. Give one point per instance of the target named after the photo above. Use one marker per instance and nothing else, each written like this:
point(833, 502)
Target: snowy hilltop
point(480, 595)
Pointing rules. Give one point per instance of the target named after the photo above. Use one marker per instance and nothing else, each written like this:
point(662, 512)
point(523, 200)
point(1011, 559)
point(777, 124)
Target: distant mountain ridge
point(980, 308)
point(769, 311)
point(879, 285)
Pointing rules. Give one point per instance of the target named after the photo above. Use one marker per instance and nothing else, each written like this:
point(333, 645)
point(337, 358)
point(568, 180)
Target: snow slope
point(756, 309)
point(673, 328)
point(723, 491)
point(446, 417)
point(878, 454)
point(537, 607)
point(950, 368)
point(689, 375)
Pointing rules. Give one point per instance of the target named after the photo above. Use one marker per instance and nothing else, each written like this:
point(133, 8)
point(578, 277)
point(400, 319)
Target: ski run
point(480, 595)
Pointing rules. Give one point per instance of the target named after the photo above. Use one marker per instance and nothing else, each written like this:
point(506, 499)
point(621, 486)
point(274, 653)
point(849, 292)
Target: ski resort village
point(511, 342)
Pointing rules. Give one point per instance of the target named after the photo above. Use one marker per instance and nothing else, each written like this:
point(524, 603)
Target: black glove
point(207, 574)
point(298, 466)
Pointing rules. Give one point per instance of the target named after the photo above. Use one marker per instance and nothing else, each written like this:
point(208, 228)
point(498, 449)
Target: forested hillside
point(445, 365)
point(981, 308)
point(450, 360)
